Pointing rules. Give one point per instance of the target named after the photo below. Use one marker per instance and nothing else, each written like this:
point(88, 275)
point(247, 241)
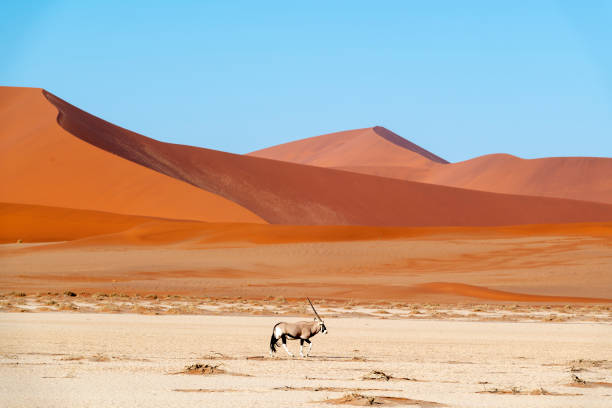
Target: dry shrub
point(203, 369)
point(366, 400)
point(377, 375)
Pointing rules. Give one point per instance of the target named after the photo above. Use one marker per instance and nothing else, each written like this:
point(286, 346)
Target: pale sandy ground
point(126, 360)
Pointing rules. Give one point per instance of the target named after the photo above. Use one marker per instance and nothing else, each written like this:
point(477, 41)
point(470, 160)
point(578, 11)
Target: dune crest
point(358, 151)
point(374, 150)
point(579, 178)
point(41, 163)
point(289, 193)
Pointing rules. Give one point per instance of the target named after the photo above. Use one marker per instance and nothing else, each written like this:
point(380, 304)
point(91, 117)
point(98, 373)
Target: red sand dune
point(41, 163)
point(376, 151)
point(368, 151)
point(33, 223)
point(580, 178)
point(288, 193)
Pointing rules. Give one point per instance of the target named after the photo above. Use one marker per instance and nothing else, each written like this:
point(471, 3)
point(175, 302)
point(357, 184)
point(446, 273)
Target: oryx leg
point(284, 338)
point(302, 347)
point(309, 347)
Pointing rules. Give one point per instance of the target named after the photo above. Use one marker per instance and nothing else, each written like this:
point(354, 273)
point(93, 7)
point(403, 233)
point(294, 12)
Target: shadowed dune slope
point(378, 151)
point(289, 193)
point(41, 163)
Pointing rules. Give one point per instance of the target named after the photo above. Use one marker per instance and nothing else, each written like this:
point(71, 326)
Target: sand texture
point(63, 359)
point(104, 252)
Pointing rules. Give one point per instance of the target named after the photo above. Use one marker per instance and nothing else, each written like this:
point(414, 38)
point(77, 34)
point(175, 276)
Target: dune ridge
point(289, 193)
point(578, 178)
point(581, 178)
point(373, 148)
point(41, 163)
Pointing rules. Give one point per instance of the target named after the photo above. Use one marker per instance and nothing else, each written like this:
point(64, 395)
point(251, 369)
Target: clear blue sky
point(460, 78)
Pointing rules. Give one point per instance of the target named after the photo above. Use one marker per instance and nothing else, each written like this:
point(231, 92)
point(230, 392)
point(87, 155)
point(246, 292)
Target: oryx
point(299, 330)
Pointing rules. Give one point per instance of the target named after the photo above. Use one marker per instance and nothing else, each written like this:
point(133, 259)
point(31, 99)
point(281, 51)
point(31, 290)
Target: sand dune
point(41, 163)
point(529, 263)
point(366, 151)
point(580, 178)
point(376, 150)
point(288, 193)
point(33, 223)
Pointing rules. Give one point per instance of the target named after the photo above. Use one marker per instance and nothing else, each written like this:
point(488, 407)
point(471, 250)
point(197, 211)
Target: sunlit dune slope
point(288, 193)
point(374, 150)
point(580, 178)
point(368, 151)
point(36, 223)
point(41, 163)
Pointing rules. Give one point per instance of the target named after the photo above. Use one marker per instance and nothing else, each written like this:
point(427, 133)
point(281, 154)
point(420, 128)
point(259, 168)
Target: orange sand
point(116, 253)
point(32, 223)
point(287, 193)
point(41, 163)
point(368, 151)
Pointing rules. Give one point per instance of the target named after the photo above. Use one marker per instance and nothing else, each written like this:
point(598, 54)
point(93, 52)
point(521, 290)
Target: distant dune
point(380, 152)
point(288, 193)
point(376, 151)
point(580, 178)
point(41, 163)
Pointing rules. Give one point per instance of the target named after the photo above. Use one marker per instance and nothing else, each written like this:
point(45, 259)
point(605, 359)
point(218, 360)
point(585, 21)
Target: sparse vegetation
point(205, 369)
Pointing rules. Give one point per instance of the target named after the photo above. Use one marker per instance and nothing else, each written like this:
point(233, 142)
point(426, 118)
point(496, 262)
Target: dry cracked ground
point(122, 359)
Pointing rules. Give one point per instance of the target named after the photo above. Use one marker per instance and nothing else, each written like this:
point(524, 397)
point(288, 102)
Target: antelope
point(299, 330)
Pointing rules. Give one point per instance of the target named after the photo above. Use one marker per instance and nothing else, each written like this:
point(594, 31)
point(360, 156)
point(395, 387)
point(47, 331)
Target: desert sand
point(376, 151)
point(111, 253)
point(380, 152)
point(124, 260)
point(97, 360)
point(289, 193)
point(43, 164)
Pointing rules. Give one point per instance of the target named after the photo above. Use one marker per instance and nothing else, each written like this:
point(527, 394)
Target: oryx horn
point(314, 310)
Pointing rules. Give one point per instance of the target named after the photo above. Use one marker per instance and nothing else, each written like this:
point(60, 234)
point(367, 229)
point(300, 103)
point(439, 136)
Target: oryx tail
point(273, 339)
